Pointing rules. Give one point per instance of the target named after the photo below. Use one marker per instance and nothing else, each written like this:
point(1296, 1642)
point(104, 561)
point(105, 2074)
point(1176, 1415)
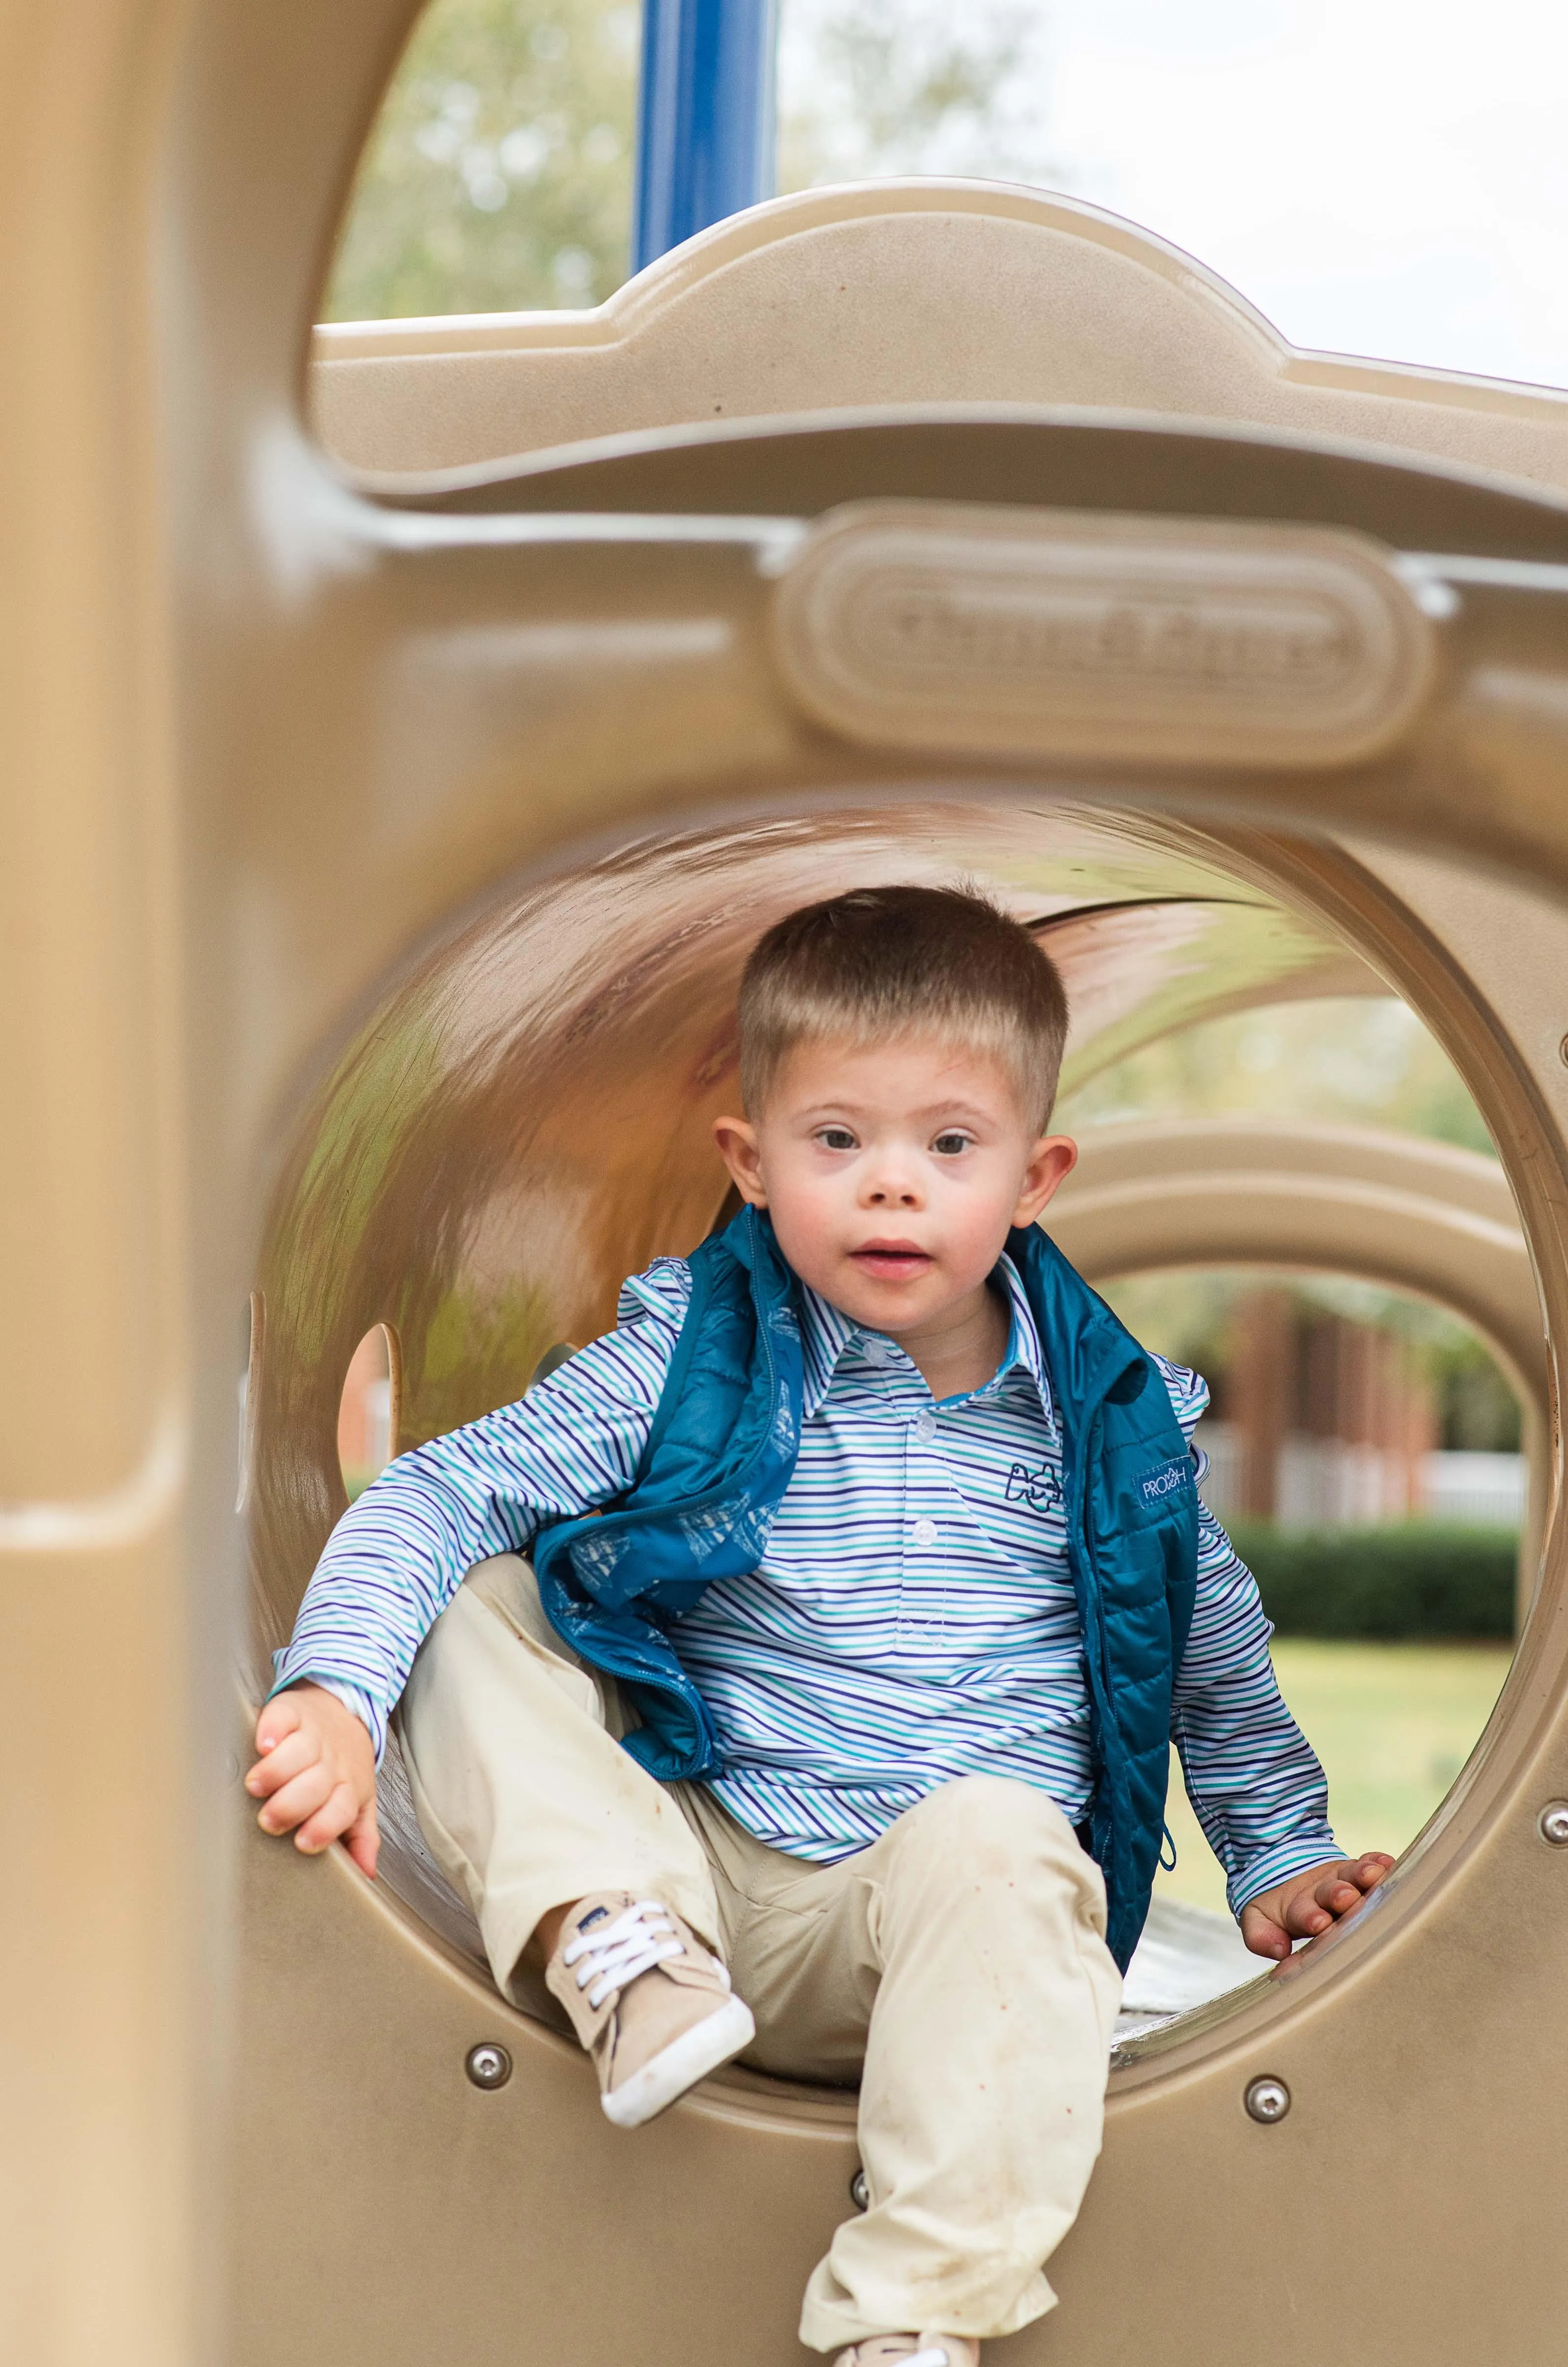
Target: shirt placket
point(922, 1618)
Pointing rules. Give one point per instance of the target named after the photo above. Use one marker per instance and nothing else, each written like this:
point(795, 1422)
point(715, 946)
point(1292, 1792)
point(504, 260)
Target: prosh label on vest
point(1165, 1479)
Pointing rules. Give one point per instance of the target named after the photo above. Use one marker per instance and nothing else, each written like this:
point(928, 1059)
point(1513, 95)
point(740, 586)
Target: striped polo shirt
point(912, 1619)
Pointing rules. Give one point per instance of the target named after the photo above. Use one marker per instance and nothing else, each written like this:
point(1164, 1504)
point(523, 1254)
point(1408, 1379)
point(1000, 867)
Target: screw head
point(488, 2064)
point(1268, 2100)
point(859, 2192)
point(1552, 1823)
point(1563, 1051)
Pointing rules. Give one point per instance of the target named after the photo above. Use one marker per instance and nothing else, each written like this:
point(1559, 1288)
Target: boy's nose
point(886, 1191)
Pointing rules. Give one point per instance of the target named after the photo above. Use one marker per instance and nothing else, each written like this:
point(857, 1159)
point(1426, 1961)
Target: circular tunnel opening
point(1365, 1451)
point(524, 1119)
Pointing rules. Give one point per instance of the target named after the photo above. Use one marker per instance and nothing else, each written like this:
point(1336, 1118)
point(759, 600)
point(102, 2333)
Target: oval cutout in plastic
point(249, 1394)
point(367, 1411)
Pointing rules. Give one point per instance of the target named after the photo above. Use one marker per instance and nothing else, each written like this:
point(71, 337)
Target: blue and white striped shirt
point(913, 1618)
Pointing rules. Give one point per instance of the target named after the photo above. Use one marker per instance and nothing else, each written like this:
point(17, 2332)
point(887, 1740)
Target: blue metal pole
point(705, 118)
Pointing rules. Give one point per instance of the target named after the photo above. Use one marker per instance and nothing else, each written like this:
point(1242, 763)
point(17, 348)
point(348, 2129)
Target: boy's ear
point(736, 1141)
point(1051, 1163)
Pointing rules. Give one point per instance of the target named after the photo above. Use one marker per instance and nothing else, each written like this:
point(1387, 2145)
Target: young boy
point(869, 1583)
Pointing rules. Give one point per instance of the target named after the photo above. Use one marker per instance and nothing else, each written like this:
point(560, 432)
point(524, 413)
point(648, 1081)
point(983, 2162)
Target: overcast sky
point(1386, 177)
point(1380, 177)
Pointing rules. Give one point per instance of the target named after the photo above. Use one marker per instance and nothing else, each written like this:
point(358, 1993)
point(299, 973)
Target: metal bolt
point(859, 2192)
point(488, 2066)
point(1552, 1822)
point(1268, 2100)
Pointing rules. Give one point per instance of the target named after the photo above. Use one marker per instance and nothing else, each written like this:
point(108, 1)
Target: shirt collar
point(827, 1332)
point(824, 1333)
point(1024, 1353)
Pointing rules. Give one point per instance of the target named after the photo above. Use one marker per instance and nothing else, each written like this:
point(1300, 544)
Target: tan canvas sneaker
point(651, 2006)
point(912, 2351)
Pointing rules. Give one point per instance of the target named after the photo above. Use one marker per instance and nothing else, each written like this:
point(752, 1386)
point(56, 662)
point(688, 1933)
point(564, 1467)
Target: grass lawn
point(1393, 1725)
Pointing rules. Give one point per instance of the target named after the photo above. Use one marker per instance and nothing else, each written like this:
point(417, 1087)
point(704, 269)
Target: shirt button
point(925, 1428)
point(924, 1533)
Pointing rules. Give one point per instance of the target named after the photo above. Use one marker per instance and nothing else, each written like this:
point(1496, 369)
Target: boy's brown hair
point(880, 963)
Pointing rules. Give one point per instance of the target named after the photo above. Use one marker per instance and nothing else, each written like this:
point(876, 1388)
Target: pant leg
point(796, 1941)
point(965, 1952)
point(527, 1798)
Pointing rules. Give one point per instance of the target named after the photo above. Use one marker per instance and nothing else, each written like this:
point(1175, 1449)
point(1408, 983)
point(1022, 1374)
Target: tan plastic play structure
point(1391, 1209)
point(385, 832)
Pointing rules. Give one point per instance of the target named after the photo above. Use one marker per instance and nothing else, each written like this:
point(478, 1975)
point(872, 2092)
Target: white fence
point(1325, 1483)
point(1475, 1488)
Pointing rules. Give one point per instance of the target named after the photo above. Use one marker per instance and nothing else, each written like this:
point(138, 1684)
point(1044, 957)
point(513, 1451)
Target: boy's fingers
point(292, 1756)
point(1348, 1884)
point(1334, 1895)
point(1262, 1934)
point(277, 1717)
point(297, 1800)
point(334, 1815)
point(364, 1840)
point(1307, 1912)
point(1304, 1919)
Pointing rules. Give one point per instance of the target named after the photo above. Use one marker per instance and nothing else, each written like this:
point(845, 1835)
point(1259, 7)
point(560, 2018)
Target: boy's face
point(893, 1172)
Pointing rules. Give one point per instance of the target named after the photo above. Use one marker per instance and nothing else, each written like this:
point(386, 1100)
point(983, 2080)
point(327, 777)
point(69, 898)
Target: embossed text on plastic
point(942, 625)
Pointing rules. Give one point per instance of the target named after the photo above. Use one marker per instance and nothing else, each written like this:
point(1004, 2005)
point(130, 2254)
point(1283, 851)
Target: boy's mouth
point(894, 1261)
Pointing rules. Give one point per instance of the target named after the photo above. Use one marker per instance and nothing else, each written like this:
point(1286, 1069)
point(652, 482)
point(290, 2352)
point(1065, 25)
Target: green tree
point(498, 177)
point(1368, 1061)
point(869, 89)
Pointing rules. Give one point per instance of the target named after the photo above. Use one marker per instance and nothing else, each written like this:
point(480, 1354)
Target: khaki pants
point(957, 1968)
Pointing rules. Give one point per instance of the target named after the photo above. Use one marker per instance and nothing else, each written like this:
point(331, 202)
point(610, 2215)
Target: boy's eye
point(949, 1145)
point(835, 1137)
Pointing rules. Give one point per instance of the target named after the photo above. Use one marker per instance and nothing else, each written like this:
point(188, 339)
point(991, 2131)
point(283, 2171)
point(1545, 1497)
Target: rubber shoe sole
point(717, 2039)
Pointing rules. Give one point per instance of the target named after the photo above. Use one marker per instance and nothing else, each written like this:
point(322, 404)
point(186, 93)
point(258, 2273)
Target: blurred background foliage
point(499, 176)
point(1365, 1062)
point(1445, 1580)
point(871, 87)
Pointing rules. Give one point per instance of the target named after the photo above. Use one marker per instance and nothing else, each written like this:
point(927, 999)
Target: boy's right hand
point(316, 1772)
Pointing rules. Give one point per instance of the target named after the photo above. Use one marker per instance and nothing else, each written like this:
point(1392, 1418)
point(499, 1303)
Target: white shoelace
point(636, 1941)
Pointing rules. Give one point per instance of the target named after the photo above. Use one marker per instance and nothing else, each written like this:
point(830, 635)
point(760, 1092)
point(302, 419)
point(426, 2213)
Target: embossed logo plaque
point(939, 625)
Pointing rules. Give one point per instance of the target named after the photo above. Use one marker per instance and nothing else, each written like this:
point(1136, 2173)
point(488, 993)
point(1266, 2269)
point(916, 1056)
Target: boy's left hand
point(1307, 1904)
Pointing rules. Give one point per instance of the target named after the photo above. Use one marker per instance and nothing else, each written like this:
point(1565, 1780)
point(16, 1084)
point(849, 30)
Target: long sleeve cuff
point(1272, 1866)
point(370, 1713)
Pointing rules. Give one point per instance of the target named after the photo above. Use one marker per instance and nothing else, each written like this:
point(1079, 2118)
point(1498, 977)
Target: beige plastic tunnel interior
point(385, 831)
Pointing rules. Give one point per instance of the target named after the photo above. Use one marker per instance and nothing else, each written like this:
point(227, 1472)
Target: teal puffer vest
point(722, 1451)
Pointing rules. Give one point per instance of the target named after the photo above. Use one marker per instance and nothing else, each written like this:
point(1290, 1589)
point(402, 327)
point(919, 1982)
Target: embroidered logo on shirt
point(1164, 1479)
point(1042, 1489)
